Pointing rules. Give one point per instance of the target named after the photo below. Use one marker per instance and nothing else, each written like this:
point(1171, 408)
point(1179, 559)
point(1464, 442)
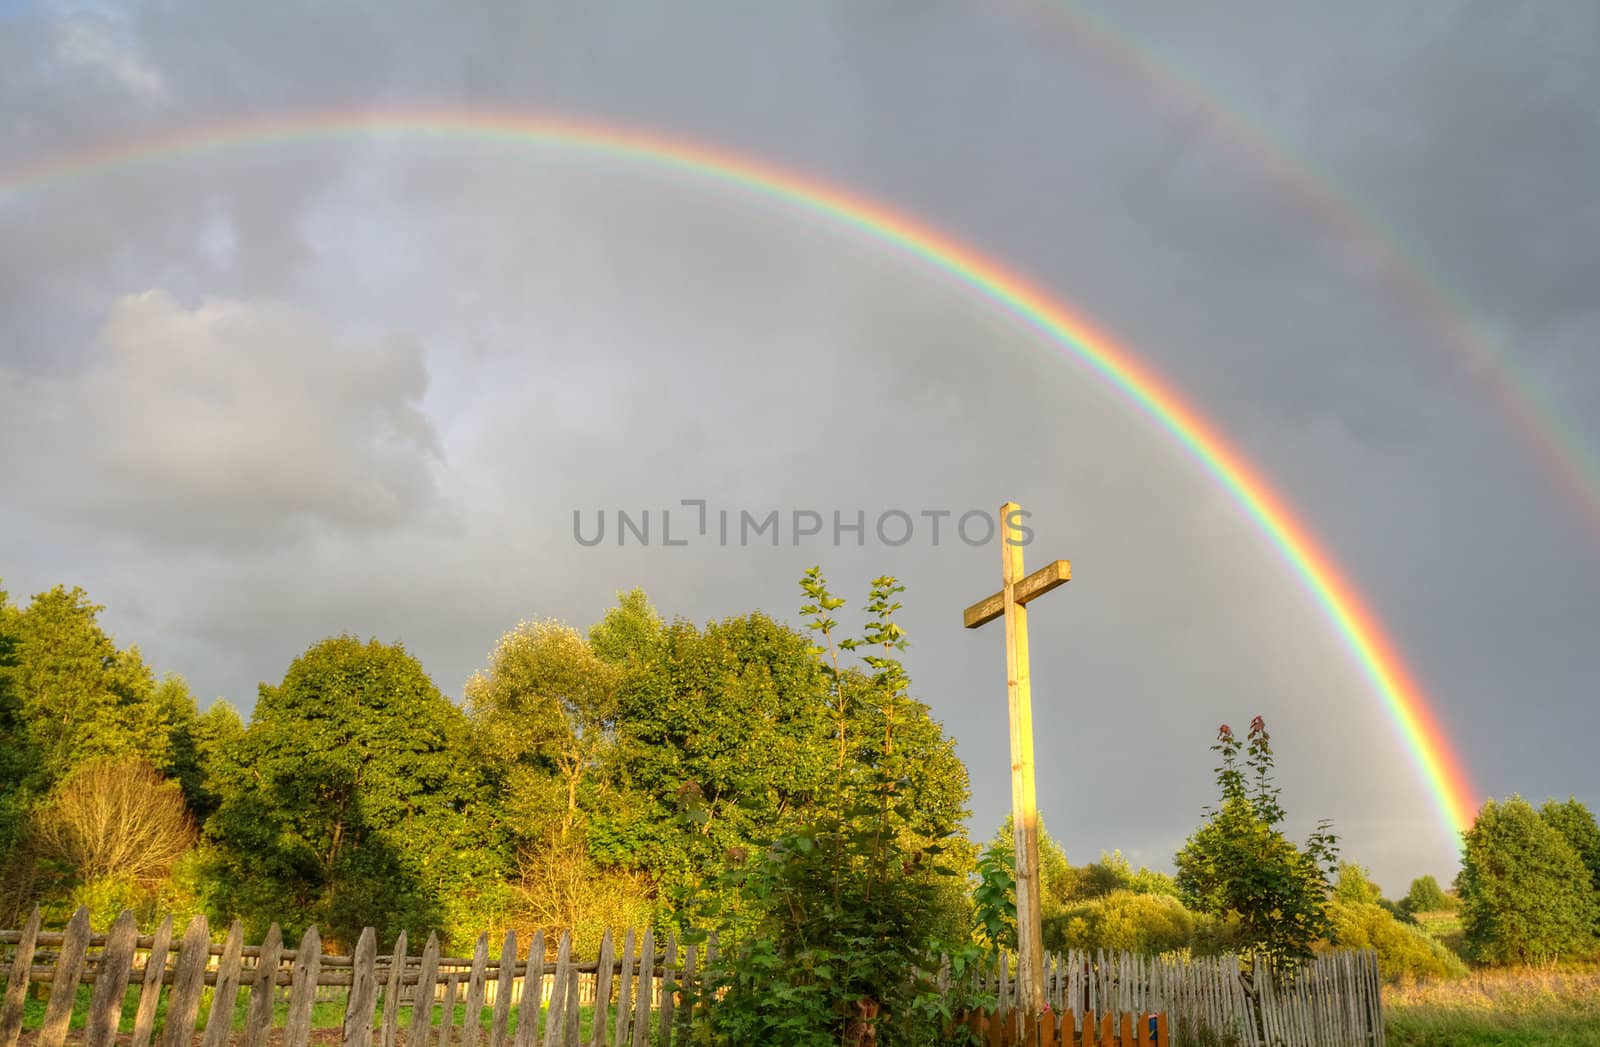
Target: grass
point(328, 1015)
point(1510, 1007)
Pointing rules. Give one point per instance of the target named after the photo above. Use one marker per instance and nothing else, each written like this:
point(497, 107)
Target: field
point(1526, 1006)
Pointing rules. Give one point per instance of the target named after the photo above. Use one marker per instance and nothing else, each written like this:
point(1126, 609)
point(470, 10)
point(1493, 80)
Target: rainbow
point(1555, 442)
point(1438, 766)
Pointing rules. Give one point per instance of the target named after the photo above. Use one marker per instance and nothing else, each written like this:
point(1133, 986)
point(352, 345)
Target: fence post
point(532, 995)
point(647, 975)
point(505, 980)
point(187, 982)
point(155, 966)
point(474, 1004)
point(422, 997)
point(263, 989)
point(303, 989)
point(111, 983)
point(219, 1022)
point(391, 991)
point(64, 984)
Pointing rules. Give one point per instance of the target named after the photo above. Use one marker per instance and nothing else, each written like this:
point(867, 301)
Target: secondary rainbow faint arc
point(1549, 433)
point(1436, 761)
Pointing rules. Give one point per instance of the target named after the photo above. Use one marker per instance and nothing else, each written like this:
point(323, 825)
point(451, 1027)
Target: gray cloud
point(228, 424)
point(590, 334)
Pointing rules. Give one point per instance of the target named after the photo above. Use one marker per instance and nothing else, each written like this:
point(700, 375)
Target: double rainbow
point(1436, 762)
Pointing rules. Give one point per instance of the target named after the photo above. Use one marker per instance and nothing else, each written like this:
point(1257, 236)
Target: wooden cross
point(1011, 603)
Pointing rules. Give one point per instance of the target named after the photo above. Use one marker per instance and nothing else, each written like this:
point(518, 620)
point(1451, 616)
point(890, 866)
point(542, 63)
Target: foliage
point(1577, 826)
point(115, 818)
point(346, 802)
point(77, 697)
point(1239, 863)
point(837, 909)
point(994, 899)
point(1425, 895)
point(1526, 895)
point(1404, 951)
point(1353, 884)
point(1126, 920)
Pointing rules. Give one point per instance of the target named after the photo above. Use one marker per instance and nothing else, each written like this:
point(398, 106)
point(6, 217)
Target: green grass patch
point(324, 1015)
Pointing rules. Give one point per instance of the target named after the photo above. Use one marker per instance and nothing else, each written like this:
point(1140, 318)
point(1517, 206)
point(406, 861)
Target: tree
point(1526, 895)
point(116, 817)
point(1354, 884)
point(545, 711)
point(838, 909)
point(630, 632)
point(1577, 826)
point(349, 802)
point(1239, 864)
point(1425, 895)
point(77, 696)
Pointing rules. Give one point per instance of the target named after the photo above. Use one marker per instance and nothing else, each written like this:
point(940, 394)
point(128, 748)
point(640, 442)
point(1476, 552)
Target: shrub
point(1142, 923)
point(1404, 951)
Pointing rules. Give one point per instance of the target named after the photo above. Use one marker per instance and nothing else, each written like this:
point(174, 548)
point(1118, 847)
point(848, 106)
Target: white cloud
point(87, 42)
point(233, 422)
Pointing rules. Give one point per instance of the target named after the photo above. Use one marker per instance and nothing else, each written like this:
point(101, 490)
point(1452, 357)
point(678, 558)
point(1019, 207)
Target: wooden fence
point(635, 997)
point(633, 992)
point(1334, 1001)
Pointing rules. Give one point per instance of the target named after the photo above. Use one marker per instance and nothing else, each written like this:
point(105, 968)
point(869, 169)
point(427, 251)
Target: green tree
point(839, 909)
point(1239, 864)
point(1576, 824)
point(348, 802)
point(1526, 895)
point(630, 633)
point(1425, 895)
point(1354, 884)
point(77, 697)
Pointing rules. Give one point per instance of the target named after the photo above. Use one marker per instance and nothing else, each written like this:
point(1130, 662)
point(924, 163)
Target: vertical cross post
point(1017, 589)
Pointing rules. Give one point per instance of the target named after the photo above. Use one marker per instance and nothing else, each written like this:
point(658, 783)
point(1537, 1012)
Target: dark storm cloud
point(588, 335)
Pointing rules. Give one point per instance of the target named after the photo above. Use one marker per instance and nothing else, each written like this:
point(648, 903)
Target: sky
point(253, 397)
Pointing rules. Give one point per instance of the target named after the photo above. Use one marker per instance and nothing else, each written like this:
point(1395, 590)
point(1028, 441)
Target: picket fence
point(631, 994)
point(1334, 1002)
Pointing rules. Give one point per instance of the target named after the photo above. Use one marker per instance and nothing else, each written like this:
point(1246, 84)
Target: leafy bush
point(1404, 951)
point(1142, 923)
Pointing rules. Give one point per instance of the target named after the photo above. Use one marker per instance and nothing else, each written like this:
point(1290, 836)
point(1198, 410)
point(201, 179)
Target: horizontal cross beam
point(1032, 587)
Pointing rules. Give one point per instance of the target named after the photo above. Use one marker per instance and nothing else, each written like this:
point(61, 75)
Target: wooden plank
point(219, 1021)
point(363, 999)
point(686, 989)
point(155, 965)
point(64, 983)
point(17, 982)
point(187, 982)
point(624, 992)
point(303, 990)
point(422, 997)
point(669, 984)
point(602, 993)
point(111, 982)
point(555, 1015)
point(1128, 1035)
point(532, 994)
point(570, 1036)
point(641, 1006)
point(447, 1020)
point(470, 1024)
point(505, 982)
point(263, 987)
point(1031, 587)
point(391, 993)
